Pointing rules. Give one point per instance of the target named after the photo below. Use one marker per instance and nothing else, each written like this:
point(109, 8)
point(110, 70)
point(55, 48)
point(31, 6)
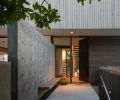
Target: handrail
point(106, 91)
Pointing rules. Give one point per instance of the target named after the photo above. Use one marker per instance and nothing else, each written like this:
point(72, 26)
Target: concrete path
point(74, 92)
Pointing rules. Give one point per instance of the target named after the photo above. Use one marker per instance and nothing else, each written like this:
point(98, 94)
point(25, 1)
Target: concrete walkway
point(74, 92)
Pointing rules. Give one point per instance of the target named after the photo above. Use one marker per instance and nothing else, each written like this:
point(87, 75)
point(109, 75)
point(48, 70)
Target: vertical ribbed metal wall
point(98, 15)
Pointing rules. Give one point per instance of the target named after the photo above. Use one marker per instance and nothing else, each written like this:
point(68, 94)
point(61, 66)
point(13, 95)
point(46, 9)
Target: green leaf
point(49, 6)
point(28, 10)
point(90, 1)
point(26, 2)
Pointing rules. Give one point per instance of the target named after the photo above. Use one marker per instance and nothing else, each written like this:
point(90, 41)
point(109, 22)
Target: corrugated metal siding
point(117, 13)
point(98, 15)
point(103, 51)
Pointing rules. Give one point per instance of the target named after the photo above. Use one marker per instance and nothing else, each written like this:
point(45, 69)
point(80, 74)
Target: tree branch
point(44, 1)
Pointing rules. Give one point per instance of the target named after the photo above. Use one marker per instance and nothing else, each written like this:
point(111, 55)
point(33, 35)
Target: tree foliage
point(44, 16)
point(82, 1)
point(11, 11)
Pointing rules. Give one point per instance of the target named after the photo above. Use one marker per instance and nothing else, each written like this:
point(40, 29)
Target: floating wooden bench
point(42, 92)
point(45, 88)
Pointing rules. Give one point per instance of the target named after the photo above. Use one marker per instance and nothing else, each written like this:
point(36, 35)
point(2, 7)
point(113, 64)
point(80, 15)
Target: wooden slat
point(3, 36)
point(3, 49)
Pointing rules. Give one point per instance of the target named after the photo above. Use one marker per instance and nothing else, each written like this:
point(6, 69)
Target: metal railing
point(105, 88)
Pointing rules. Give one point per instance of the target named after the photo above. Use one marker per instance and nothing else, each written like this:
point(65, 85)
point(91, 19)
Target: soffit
point(80, 32)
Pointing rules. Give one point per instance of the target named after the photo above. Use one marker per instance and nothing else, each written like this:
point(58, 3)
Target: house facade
point(88, 37)
point(98, 23)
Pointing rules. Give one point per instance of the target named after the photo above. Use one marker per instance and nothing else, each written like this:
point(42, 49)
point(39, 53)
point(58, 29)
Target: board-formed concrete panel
point(36, 62)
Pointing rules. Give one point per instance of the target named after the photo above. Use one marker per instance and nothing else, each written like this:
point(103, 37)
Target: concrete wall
point(103, 51)
point(36, 62)
point(5, 81)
